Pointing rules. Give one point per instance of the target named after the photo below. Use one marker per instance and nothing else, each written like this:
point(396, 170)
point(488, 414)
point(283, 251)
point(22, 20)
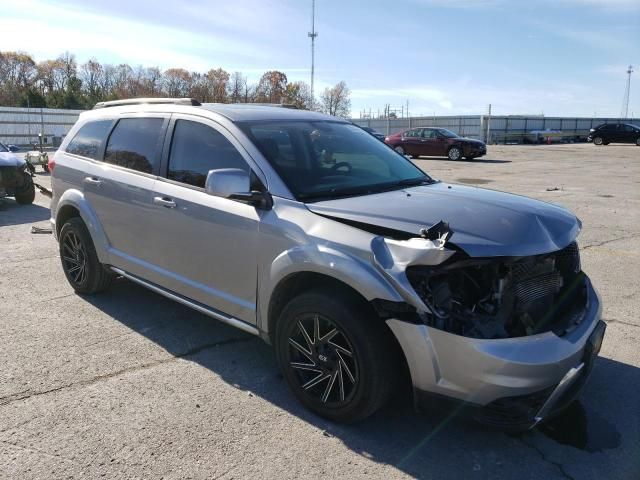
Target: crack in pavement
point(605, 242)
point(615, 320)
point(558, 465)
point(16, 397)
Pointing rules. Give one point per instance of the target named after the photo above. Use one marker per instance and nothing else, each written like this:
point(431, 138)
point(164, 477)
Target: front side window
point(88, 141)
point(134, 144)
point(429, 133)
point(447, 133)
point(197, 148)
point(326, 159)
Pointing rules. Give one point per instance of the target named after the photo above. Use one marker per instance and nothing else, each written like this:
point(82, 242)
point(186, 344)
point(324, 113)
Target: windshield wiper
point(409, 182)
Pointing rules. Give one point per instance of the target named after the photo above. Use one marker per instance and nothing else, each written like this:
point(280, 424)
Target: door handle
point(92, 181)
point(164, 201)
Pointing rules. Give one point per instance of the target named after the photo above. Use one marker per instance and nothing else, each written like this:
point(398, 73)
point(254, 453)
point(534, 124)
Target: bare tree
point(335, 100)
point(91, 74)
point(236, 86)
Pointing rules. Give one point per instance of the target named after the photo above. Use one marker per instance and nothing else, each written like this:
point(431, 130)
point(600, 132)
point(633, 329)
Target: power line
point(313, 34)
point(625, 100)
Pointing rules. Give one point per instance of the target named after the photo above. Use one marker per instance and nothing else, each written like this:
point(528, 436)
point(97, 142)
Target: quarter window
point(88, 140)
point(196, 149)
point(134, 144)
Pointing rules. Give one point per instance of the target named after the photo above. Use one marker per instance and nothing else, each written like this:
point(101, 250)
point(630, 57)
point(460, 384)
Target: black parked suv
point(614, 133)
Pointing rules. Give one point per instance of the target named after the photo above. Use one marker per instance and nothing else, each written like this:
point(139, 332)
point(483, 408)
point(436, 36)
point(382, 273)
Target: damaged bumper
point(506, 382)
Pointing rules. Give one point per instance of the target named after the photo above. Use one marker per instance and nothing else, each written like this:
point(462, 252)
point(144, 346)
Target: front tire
point(80, 262)
point(597, 141)
point(27, 193)
point(638, 141)
point(454, 153)
point(338, 360)
point(399, 149)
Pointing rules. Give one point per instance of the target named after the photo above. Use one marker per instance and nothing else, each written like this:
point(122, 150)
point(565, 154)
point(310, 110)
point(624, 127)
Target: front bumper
point(507, 382)
point(475, 151)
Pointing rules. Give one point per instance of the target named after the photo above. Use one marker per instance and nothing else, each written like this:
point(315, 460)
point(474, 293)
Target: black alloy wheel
point(79, 259)
point(74, 258)
point(323, 360)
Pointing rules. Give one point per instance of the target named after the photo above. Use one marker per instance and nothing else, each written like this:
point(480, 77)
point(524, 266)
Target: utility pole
point(625, 100)
point(313, 34)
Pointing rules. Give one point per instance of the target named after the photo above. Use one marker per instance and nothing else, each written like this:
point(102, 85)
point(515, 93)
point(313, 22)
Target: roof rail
point(281, 105)
point(138, 101)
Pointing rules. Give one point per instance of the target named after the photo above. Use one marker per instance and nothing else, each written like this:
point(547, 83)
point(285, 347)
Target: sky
point(445, 57)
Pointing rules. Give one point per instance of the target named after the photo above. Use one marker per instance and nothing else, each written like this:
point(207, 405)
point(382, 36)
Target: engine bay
point(503, 297)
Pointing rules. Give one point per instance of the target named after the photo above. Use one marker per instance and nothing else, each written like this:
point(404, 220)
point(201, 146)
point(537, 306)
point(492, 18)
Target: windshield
point(324, 160)
point(3, 147)
point(447, 133)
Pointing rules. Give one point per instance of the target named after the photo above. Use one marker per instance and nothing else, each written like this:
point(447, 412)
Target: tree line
point(63, 83)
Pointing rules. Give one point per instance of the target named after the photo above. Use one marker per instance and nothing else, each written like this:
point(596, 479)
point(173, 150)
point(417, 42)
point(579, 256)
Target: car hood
point(485, 223)
point(8, 159)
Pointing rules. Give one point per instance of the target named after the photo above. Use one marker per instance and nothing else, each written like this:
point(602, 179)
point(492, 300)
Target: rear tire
point(27, 194)
point(454, 153)
point(346, 377)
point(597, 141)
point(45, 168)
point(80, 262)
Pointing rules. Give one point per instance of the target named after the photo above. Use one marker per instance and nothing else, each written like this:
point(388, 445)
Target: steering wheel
point(338, 165)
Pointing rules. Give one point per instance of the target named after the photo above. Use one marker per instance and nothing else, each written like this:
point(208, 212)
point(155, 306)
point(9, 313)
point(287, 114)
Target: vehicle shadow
point(12, 213)
point(433, 444)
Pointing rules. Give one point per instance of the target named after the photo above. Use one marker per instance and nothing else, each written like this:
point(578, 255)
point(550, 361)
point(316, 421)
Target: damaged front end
point(493, 298)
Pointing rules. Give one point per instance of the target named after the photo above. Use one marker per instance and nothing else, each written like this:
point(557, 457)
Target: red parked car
point(436, 142)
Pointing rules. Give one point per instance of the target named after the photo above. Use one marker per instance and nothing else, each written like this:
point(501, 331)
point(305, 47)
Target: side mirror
point(235, 184)
point(13, 148)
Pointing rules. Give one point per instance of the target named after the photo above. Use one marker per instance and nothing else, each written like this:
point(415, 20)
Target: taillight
point(51, 164)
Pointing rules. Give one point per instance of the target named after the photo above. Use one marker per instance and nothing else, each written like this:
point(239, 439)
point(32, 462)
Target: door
point(206, 245)
point(412, 142)
point(630, 133)
point(120, 190)
point(430, 144)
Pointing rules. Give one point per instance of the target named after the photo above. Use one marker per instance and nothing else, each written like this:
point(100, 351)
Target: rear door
point(412, 142)
point(120, 189)
point(206, 245)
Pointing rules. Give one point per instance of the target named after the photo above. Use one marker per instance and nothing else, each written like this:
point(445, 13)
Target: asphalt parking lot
point(128, 384)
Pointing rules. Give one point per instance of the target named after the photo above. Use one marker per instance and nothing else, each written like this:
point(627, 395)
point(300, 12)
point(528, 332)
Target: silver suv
point(353, 263)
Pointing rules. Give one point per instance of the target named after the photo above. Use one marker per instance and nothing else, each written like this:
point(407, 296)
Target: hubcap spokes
point(74, 257)
point(323, 360)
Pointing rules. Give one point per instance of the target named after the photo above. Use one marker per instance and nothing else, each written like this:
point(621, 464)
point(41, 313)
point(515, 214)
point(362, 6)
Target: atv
point(16, 179)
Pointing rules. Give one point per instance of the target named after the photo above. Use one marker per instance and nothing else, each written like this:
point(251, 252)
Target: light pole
point(313, 34)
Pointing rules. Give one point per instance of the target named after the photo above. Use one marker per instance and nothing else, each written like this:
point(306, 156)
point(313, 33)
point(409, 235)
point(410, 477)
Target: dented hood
point(485, 223)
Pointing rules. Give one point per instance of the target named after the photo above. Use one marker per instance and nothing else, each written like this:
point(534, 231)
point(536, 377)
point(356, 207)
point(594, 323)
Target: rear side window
point(134, 144)
point(88, 140)
point(196, 149)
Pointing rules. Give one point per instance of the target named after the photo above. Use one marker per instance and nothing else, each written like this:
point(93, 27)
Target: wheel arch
point(299, 269)
point(74, 204)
